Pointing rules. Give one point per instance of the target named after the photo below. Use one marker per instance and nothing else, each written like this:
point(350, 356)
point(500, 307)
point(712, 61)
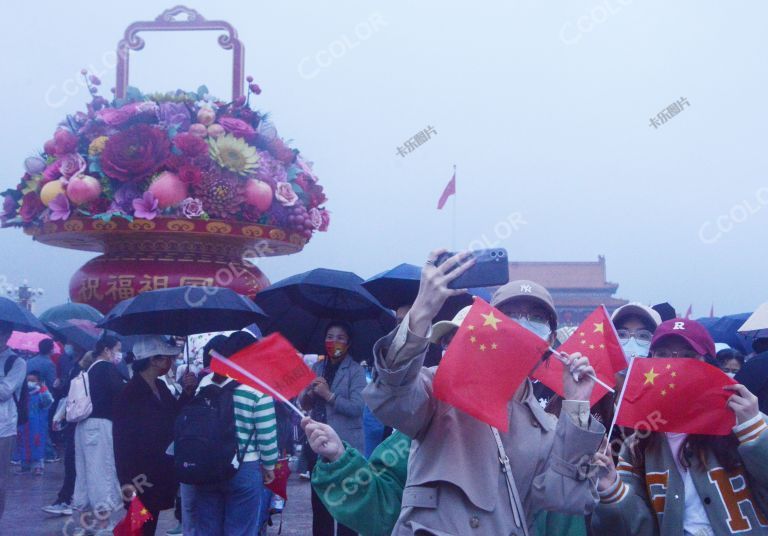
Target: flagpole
point(249, 375)
point(621, 400)
point(453, 240)
point(597, 380)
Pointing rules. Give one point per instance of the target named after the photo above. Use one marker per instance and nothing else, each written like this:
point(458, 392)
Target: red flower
point(190, 145)
point(281, 151)
point(64, 142)
point(135, 154)
point(237, 127)
point(31, 206)
point(325, 219)
point(190, 174)
point(313, 191)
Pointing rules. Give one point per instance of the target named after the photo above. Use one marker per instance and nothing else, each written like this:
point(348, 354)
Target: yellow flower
point(97, 145)
point(234, 154)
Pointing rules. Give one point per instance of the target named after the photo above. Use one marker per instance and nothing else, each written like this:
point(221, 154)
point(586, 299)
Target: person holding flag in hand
point(703, 468)
point(464, 475)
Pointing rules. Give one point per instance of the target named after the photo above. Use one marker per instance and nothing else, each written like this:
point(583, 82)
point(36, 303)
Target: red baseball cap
point(690, 331)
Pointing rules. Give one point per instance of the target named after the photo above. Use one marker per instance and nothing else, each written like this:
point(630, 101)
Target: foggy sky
point(544, 108)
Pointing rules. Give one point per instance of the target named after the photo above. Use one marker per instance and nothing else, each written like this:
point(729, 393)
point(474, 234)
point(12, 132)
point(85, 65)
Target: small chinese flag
point(676, 395)
point(450, 189)
point(134, 519)
point(271, 365)
point(487, 360)
point(596, 339)
point(279, 486)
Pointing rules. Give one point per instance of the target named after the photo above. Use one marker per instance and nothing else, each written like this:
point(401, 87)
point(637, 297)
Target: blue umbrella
point(724, 329)
point(400, 285)
point(21, 319)
point(68, 311)
point(182, 311)
point(301, 306)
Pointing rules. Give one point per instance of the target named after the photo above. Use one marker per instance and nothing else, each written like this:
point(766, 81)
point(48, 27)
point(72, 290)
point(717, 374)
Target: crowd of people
point(383, 455)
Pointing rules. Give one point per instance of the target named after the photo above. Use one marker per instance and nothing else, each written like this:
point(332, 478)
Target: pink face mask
point(336, 348)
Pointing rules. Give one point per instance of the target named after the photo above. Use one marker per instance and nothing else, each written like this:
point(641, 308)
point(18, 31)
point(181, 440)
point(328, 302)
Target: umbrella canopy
point(82, 333)
point(757, 321)
point(182, 311)
point(30, 342)
point(400, 285)
point(301, 306)
point(19, 317)
point(68, 311)
point(725, 329)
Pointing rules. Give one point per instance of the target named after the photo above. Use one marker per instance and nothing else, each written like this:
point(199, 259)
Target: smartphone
point(491, 269)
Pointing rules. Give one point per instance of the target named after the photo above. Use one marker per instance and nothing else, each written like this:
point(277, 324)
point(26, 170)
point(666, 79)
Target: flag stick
point(597, 380)
point(621, 400)
point(249, 375)
point(453, 240)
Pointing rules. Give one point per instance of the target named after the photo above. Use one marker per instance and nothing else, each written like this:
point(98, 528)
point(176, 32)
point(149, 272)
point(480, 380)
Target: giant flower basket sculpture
point(174, 189)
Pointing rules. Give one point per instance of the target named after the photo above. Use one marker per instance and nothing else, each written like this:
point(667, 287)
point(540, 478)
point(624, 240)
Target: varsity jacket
point(653, 503)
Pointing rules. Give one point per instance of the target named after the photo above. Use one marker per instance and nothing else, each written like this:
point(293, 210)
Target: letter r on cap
point(526, 288)
point(679, 325)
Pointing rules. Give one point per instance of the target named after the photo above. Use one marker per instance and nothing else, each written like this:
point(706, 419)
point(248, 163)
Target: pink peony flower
point(237, 127)
point(145, 206)
point(285, 194)
point(117, 116)
point(71, 164)
point(60, 209)
point(315, 218)
point(192, 207)
point(135, 153)
point(190, 145)
point(326, 220)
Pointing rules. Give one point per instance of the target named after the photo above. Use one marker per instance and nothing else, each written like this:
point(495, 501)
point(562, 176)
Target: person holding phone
point(455, 480)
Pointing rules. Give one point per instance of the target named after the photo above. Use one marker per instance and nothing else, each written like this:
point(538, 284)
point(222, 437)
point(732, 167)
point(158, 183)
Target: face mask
point(179, 362)
point(633, 348)
point(336, 349)
point(117, 357)
point(730, 374)
point(32, 386)
point(537, 328)
point(69, 349)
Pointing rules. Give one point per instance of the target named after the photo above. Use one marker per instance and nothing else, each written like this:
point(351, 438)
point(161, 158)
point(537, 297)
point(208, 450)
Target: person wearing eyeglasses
point(635, 324)
point(456, 483)
point(688, 485)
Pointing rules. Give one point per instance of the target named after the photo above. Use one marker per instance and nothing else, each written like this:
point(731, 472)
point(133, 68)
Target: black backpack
point(22, 402)
point(205, 437)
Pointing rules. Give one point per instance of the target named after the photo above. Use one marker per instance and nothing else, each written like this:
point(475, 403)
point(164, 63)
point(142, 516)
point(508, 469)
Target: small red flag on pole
point(450, 189)
point(132, 523)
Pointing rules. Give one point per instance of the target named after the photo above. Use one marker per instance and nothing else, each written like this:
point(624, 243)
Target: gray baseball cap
point(523, 288)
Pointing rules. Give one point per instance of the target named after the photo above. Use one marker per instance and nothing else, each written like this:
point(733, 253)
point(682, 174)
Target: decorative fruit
point(83, 189)
point(51, 190)
point(168, 189)
point(259, 194)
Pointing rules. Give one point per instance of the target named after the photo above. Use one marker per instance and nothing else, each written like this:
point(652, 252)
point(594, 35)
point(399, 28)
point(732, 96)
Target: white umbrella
point(757, 321)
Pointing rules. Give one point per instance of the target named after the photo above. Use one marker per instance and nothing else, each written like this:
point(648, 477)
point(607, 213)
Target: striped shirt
point(253, 410)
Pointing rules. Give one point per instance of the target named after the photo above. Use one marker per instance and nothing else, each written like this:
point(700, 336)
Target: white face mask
point(730, 374)
point(537, 328)
point(633, 348)
point(117, 357)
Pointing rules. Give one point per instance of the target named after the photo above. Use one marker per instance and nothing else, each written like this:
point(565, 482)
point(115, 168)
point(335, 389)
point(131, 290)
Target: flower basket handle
point(170, 21)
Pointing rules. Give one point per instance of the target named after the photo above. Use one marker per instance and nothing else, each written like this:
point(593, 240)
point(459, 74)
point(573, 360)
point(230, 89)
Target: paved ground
point(27, 494)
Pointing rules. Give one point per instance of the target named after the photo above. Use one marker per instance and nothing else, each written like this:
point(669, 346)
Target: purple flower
point(60, 209)
point(125, 195)
point(192, 207)
point(145, 206)
point(174, 114)
point(34, 165)
point(52, 172)
point(117, 116)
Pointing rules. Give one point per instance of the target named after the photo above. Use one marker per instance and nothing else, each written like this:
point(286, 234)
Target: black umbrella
point(300, 307)
point(82, 333)
point(182, 311)
point(21, 319)
point(400, 285)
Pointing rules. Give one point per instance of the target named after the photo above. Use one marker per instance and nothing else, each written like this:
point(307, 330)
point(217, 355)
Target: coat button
point(707, 500)
point(474, 522)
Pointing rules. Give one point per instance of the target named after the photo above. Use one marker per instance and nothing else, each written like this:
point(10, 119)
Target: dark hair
point(760, 345)
point(216, 343)
point(237, 341)
point(106, 341)
point(140, 365)
point(340, 324)
point(45, 346)
point(35, 373)
point(645, 320)
point(725, 355)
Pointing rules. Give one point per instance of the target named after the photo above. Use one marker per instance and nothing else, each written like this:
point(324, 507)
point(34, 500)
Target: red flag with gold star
point(487, 360)
point(676, 394)
point(279, 486)
point(595, 338)
point(134, 520)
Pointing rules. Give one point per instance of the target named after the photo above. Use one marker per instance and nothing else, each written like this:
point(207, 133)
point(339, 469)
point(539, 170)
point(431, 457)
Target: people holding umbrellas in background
point(335, 397)
point(33, 434)
point(144, 417)
point(44, 365)
point(97, 490)
point(14, 376)
point(754, 374)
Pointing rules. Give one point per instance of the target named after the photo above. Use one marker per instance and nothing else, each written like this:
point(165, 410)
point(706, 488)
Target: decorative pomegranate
point(259, 194)
point(169, 190)
point(83, 189)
